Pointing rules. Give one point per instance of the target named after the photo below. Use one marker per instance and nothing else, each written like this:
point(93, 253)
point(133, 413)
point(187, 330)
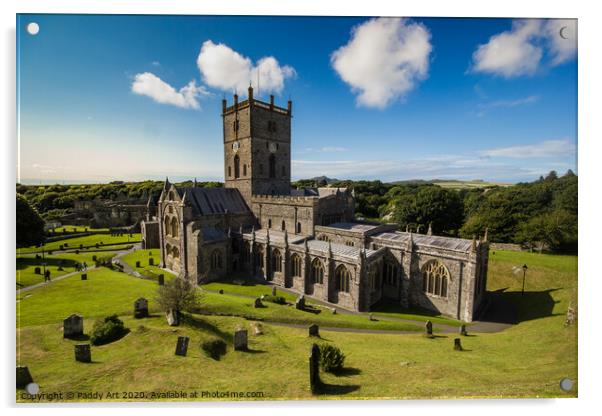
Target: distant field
point(469, 184)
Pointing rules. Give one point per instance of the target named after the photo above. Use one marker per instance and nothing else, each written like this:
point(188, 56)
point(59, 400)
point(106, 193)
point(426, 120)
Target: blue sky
point(139, 97)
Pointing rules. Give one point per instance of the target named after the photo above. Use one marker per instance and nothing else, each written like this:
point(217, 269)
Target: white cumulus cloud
point(519, 51)
point(152, 86)
point(223, 68)
point(383, 60)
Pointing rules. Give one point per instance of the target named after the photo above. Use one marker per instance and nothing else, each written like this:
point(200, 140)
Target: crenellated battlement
point(241, 105)
point(285, 199)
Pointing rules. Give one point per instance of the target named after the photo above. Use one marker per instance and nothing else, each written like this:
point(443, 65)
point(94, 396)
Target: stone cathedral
point(305, 240)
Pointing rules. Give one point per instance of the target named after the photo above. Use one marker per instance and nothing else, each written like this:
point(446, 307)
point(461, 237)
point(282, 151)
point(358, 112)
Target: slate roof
point(338, 249)
point(354, 226)
point(448, 243)
point(207, 201)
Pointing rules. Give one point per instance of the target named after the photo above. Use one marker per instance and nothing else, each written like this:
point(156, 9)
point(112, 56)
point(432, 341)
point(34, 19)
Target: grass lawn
point(143, 257)
point(250, 288)
point(526, 360)
point(26, 265)
point(87, 241)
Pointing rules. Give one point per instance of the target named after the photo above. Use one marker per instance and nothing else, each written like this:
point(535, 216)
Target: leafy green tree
point(30, 225)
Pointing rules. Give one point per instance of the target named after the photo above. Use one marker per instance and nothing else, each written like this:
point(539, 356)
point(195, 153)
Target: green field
point(526, 360)
point(87, 241)
point(27, 264)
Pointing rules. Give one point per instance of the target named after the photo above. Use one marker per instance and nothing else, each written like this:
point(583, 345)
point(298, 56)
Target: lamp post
point(524, 275)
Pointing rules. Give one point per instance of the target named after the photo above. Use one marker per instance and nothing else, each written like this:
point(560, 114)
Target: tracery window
point(435, 278)
point(276, 261)
point(317, 271)
point(343, 278)
point(296, 265)
point(216, 260)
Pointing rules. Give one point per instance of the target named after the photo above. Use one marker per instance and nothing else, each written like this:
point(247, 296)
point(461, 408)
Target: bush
point(331, 358)
point(107, 330)
point(275, 299)
point(214, 348)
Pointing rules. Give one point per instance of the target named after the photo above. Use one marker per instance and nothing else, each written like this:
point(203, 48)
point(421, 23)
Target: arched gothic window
point(216, 260)
point(317, 271)
point(236, 167)
point(174, 227)
point(167, 226)
point(296, 265)
point(435, 278)
point(272, 166)
point(343, 278)
point(276, 261)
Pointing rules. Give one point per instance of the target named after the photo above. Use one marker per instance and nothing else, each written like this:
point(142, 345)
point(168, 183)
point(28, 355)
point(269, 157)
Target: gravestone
point(240, 340)
point(570, 316)
point(81, 246)
point(258, 303)
point(273, 290)
point(138, 263)
point(428, 329)
point(463, 331)
point(83, 354)
point(371, 317)
point(23, 377)
point(141, 308)
point(257, 329)
point(84, 276)
point(300, 303)
point(161, 280)
point(314, 330)
point(47, 275)
point(94, 257)
point(37, 270)
point(334, 311)
point(221, 291)
point(182, 346)
point(151, 261)
point(76, 251)
point(172, 317)
point(38, 257)
point(314, 368)
point(73, 326)
point(457, 344)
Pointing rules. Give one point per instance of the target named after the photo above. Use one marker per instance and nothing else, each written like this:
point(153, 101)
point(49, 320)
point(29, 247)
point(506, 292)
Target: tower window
point(236, 166)
point(229, 171)
point(244, 170)
point(270, 223)
point(272, 166)
point(235, 125)
point(283, 225)
point(298, 228)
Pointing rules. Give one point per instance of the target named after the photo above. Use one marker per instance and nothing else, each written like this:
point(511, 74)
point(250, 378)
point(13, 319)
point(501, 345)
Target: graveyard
point(387, 355)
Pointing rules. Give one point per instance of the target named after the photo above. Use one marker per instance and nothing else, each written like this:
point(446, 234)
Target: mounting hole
point(33, 28)
point(32, 388)
point(566, 384)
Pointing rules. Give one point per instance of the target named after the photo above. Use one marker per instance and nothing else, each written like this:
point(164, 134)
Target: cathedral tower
point(257, 146)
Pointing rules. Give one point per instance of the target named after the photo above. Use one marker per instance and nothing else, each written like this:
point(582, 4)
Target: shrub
point(331, 358)
point(214, 348)
point(107, 330)
point(178, 295)
point(275, 299)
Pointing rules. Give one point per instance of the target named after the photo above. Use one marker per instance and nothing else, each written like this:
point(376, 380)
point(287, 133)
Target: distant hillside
point(451, 183)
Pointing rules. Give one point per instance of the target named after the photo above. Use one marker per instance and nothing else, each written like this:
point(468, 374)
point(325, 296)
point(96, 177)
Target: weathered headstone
point(94, 257)
point(462, 330)
point(570, 316)
point(182, 346)
point(141, 308)
point(457, 344)
point(240, 340)
point(371, 317)
point(138, 263)
point(151, 261)
point(23, 377)
point(221, 291)
point(173, 318)
point(314, 369)
point(37, 270)
point(334, 311)
point(83, 354)
point(257, 328)
point(161, 280)
point(73, 326)
point(84, 276)
point(258, 303)
point(428, 329)
point(314, 330)
point(273, 290)
point(300, 303)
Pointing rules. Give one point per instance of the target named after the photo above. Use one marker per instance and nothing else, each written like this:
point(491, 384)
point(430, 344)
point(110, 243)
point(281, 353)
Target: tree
point(178, 295)
point(30, 226)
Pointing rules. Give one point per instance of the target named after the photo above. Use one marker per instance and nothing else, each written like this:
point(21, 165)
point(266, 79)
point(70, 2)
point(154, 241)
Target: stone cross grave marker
point(83, 354)
point(23, 377)
point(73, 326)
point(141, 308)
point(182, 346)
point(240, 340)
